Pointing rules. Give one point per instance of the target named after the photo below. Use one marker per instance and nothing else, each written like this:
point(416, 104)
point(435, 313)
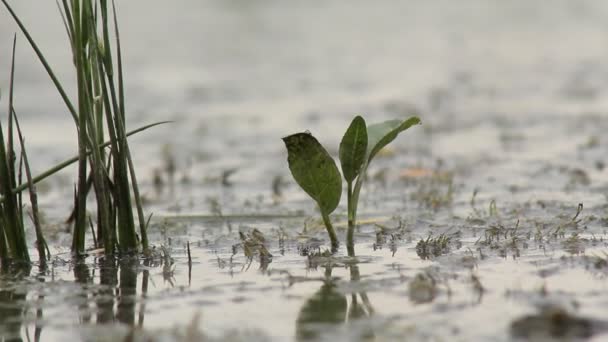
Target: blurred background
point(513, 100)
point(489, 78)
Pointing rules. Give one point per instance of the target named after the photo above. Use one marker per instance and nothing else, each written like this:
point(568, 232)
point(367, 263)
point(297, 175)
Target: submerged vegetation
point(317, 174)
point(433, 246)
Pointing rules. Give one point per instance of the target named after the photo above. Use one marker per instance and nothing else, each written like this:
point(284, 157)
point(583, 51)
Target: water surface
point(512, 99)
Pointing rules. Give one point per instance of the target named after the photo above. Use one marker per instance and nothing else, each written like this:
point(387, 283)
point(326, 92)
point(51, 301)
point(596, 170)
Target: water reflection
point(39, 315)
point(144, 292)
point(113, 299)
point(127, 291)
point(82, 275)
point(11, 311)
point(363, 307)
point(117, 298)
point(108, 276)
point(113, 291)
point(328, 307)
point(12, 305)
point(360, 306)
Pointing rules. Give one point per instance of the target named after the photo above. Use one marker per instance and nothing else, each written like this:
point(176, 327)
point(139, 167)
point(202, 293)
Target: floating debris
point(433, 246)
point(551, 323)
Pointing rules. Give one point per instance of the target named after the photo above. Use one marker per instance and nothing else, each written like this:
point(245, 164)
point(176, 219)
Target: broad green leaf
point(314, 170)
point(353, 148)
point(381, 134)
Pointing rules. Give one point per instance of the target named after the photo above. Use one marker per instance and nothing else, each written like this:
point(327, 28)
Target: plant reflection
point(329, 307)
point(326, 307)
point(113, 299)
point(12, 304)
point(362, 308)
point(127, 291)
point(10, 314)
point(116, 297)
point(109, 292)
point(108, 278)
point(82, 275)
point(144, 292)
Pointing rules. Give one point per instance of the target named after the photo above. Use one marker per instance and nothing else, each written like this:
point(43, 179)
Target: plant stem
point(350, 243)
point(41, 245)
point(13, 244)
point(349, 204)
point(138, 202)
point(79, 55)
point(354, 199)
point(332, 233)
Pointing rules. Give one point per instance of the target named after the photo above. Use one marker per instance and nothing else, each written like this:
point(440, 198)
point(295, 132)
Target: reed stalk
point(100, 113)
point(13, 245)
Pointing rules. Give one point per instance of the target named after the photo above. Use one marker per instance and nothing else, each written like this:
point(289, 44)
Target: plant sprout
point(317, 174)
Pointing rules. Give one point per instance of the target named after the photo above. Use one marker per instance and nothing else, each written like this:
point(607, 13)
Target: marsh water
point(471, 226)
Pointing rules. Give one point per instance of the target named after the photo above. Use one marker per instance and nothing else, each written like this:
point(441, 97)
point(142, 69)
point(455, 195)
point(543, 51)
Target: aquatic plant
point(100, 111)
point(433, 246)
point(317, 174)
point(13, 244)
point(254, 244)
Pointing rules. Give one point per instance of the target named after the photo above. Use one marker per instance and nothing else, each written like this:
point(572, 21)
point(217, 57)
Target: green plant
point(317, 174)
point(100, 112)
point(13, 245)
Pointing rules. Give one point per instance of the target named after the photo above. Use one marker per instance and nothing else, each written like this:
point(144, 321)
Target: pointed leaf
point(353, 148)
point(314, 170)
point(381, 134)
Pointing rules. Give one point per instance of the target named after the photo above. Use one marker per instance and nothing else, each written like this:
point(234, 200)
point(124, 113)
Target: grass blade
point(10, 211)
point(41, 244)
point(134, 184)
point(42, 59)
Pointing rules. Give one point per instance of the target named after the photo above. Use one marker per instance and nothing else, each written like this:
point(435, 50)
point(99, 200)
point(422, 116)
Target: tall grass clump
point(13, 244)
point(99, 114)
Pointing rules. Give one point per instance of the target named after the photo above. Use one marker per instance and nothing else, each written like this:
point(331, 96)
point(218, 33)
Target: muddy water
point(470, 228)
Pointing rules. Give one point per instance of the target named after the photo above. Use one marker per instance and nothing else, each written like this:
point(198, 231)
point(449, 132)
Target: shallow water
point(512, 99)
